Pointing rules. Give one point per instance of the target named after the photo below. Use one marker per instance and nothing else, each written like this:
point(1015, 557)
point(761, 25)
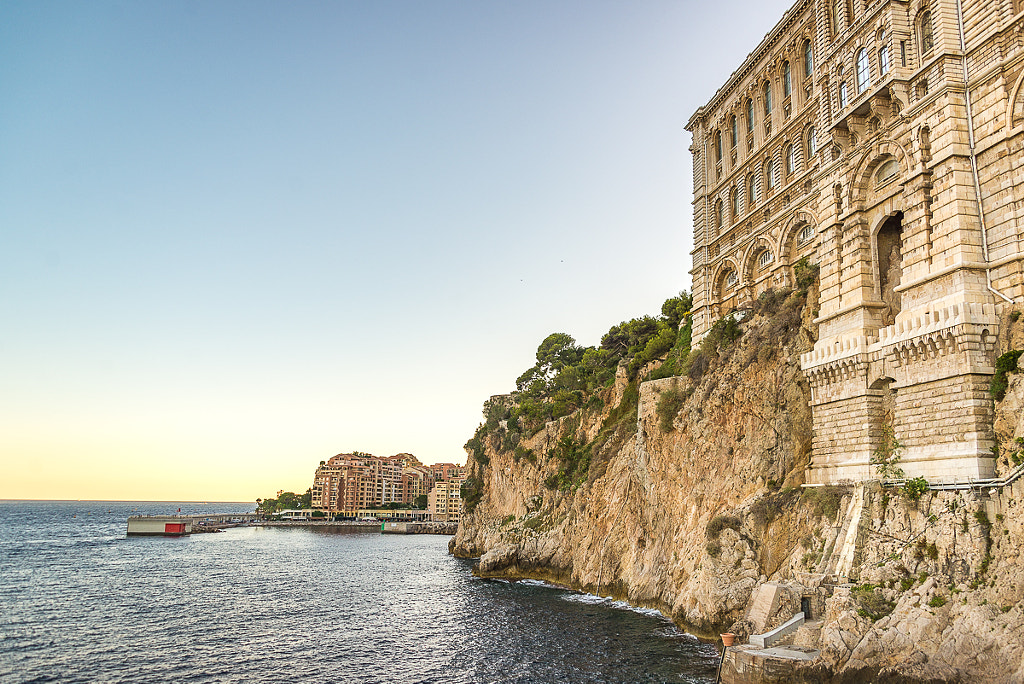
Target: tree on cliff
point(567, 376)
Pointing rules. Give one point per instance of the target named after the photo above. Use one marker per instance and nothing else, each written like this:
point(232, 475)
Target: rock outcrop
point(690, 513)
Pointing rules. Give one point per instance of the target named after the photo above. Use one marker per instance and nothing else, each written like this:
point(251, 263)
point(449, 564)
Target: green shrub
point(765, 510)
point(670, 403)
point(871, 603)
point(1007, 363)
point(472, 490)
point(915, 487)
point(721, 522)
point(476, 447)
point(886, 457)
point(937, 601)
point(982, 519)
point(806, 273)
point(825, 501)
point(573, 464)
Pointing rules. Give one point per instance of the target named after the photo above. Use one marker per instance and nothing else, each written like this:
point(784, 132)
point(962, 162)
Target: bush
point(806, 273)
point(766, 509)
point(872, 604)
point(522, 452)
point(824, 501)
point(1007, 363)
point(574, 464)
point(721, 522)
point(937, 601)
point(472, 490)
point(670, 403)
point(914, 488)
point(475, 446)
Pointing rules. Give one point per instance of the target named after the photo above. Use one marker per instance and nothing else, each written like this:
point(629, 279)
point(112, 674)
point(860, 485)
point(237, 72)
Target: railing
point(970, 483)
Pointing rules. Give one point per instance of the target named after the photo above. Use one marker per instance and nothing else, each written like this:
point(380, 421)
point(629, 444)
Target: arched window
point(767, 92)
point(769, 174)
point(812, 141)
point(887, 170)
point(790, 160)
point(735, 131)
point(718, 146)
point(925, 40)
point(806, 233)
point(750, 116)
point(787, 80)
point(718, 215)
point(863, 70)
point(808, 59)
point(730, 278)
point(883, 54)
point(764, 259)
point(734, 195)
point(751, 191)
point(842, 95)
point(835, 12)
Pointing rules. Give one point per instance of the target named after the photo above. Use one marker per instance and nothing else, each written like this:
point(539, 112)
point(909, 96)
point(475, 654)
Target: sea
point(82, 602)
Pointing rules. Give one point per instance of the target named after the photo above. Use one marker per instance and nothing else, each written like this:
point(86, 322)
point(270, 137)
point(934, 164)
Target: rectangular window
point(903, 53)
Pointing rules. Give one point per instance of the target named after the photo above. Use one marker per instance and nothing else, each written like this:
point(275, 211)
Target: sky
point(239, 237)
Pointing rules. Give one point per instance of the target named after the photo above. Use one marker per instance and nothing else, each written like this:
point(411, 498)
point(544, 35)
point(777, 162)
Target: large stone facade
point(884, 142)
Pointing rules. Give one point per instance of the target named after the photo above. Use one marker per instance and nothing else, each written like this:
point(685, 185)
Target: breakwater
point(386, 527)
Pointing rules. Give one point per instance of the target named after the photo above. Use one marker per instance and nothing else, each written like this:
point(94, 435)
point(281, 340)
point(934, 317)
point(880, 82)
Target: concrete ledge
point(749, 665)
point(770, 638)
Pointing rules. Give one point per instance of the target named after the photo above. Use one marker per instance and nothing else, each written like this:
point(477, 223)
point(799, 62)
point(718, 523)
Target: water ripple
point(83, 603)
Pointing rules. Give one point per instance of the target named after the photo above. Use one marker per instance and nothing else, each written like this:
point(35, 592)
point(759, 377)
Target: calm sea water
point(81, 602)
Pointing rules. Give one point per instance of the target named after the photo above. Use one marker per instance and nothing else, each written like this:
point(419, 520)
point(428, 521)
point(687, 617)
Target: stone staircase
point(809, 635)
point(841, 562)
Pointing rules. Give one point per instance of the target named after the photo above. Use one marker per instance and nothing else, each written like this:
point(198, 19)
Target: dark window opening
point(890, 265)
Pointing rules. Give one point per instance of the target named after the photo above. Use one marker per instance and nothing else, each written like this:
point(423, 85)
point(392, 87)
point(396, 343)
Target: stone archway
point(889, 266)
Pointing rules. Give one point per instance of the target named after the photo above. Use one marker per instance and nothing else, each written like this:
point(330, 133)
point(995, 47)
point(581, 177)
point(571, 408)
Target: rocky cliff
point(689, 500)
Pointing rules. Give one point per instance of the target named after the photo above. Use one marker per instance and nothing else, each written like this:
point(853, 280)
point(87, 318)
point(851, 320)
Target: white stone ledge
point(910, 327)
point(772, 637)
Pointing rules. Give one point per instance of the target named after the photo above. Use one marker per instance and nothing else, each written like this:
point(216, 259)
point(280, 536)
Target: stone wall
point(890, 196)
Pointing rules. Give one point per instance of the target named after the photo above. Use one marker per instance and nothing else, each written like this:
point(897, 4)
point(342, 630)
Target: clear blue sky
point(240, 237)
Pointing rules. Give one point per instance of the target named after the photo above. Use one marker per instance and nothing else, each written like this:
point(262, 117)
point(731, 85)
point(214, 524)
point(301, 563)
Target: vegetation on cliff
point(568, 378)
point(677, 485)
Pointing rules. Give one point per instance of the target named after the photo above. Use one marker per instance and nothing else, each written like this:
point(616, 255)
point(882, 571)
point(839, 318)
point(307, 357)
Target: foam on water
point(83, 603)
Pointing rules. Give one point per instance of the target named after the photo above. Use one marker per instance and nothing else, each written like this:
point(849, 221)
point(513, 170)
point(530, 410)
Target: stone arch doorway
point(889, 266)
point(882, 395)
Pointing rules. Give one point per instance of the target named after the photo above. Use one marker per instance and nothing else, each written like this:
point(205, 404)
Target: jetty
point(418, 528)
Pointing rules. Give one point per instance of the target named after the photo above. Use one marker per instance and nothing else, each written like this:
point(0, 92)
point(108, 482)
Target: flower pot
point(728, 639)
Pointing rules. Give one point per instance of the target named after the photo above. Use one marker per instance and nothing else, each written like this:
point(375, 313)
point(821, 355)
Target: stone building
point(882, 140)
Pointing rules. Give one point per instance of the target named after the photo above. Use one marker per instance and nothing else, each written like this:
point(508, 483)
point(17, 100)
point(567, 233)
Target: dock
point(418, 528)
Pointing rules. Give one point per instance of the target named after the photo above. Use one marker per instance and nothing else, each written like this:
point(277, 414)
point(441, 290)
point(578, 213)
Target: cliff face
point(696, 514)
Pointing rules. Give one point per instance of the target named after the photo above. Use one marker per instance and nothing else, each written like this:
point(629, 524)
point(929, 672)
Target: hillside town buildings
point(882, 142)
point(349, 483)
point(445, 501)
